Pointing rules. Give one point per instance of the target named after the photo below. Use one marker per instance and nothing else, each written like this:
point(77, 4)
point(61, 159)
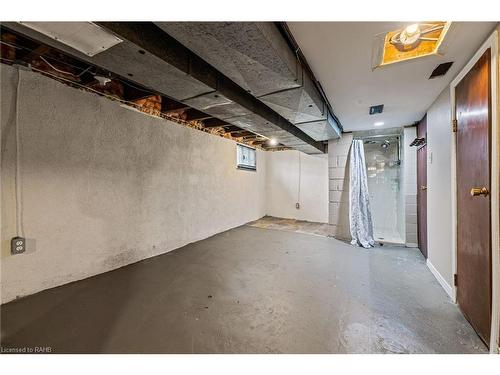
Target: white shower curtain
point(360, 216)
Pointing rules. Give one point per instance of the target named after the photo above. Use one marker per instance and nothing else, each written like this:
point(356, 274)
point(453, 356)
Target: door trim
point(492, 43)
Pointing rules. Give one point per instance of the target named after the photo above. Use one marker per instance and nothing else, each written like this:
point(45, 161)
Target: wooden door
point(422, 187)
point(472, 111)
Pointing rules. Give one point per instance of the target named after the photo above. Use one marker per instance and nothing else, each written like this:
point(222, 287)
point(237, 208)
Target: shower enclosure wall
point(383, 167)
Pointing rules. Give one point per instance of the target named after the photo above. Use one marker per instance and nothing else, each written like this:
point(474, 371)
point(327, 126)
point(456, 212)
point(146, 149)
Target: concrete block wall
point(410, 186)
point(338, 188)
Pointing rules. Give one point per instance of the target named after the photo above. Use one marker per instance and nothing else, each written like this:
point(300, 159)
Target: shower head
point(385, 144)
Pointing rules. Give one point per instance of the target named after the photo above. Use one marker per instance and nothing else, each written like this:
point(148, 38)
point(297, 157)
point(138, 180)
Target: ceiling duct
point(85, 37)
point(257, 58)
point(156, 60)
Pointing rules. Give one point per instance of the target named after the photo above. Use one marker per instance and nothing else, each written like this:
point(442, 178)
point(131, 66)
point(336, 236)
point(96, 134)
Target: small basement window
point(246, 158)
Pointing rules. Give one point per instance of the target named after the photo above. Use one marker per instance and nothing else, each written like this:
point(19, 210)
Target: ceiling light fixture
point(273, 142)
point(374, 109)
point(410, 34)
point(378, 123)
point(410, 37)
point(412, 41)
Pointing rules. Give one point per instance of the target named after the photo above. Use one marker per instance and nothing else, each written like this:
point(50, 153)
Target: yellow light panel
point(432, 34)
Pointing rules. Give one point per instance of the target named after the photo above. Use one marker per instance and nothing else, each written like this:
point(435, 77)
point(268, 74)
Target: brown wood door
point(473, 108)
point(422, 187)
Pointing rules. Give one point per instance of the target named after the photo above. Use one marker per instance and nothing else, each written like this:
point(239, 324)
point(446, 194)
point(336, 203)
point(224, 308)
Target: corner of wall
point(295, 177)
point(338, 189)
point(441, 280)
point(410, 186)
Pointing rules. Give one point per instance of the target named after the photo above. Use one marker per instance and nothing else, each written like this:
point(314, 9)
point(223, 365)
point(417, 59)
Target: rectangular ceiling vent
point(441, 70)
point(374, 109)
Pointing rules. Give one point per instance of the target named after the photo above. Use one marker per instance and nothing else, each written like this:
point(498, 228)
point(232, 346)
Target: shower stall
point(384, 173)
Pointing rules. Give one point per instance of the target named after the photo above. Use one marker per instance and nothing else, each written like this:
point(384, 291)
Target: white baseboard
point(447, 287)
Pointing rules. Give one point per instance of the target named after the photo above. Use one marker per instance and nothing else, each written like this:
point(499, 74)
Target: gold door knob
point(475, 192)
point(423, 187)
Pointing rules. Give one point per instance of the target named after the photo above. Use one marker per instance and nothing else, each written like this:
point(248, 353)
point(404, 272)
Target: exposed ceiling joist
point(45, 59)
point(131, 93)
point(193, 114)
point(214, 123)
point(242, 133)
point(27, 55)
point(168, 106)
point(231, 128)
point(154, 40)
point(147, 43)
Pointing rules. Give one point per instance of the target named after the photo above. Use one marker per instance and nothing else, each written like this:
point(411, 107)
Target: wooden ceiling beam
point(131, 93)
point(241, 133)
point(214, 123)
point(28, 56)
point(231, 128)
point(172, 106)
point(192, 114)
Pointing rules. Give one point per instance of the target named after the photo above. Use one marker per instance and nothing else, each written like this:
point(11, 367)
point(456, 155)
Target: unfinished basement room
point(250, 187)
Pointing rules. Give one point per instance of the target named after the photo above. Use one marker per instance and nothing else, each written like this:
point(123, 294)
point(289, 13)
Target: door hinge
point(455, 279)
point(454, 126)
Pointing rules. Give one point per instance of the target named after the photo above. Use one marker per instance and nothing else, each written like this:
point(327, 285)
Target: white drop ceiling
point(340, 55)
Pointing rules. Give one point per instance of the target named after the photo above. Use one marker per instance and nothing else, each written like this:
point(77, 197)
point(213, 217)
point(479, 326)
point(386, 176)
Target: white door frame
point(492, 43)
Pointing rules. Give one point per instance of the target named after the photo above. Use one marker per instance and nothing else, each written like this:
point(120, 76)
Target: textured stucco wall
point(282, 182)
point(338, 171)
point(103, 186)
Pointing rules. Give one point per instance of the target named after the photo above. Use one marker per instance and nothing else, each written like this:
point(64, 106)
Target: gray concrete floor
point(292, 225)
point(250, 290)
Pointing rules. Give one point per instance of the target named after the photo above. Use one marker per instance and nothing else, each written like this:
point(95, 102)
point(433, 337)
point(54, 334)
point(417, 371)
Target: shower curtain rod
point(378, 136)
point(398, 136)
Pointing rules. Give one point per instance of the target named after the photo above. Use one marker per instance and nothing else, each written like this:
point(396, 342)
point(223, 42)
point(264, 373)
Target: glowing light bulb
point(410, 35)
point(412, 29)
point(273, 142)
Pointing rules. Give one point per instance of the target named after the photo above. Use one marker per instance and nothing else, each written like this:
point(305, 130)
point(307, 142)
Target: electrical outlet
point(297, 205)
point(17, 245)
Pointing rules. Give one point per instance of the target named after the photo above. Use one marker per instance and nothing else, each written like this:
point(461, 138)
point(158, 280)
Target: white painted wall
point(283, 180)
point(410, 186)
point(103, 186)
point(439, 185)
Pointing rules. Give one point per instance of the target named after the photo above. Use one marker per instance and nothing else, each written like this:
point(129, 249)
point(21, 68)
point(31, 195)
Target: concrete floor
point(292, 225)
point(250, 290)
point(317, 229)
